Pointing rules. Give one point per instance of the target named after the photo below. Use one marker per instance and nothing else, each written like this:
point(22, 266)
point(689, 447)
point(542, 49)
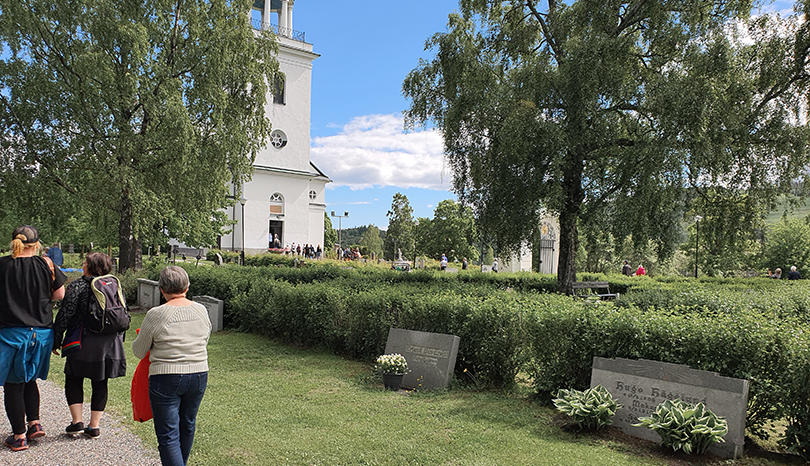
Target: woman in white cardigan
point(175, 335)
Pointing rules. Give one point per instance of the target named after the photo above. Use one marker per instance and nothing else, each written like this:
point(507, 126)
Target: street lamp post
point(415, 236)
point(243, 201)
point(340, 224)
point(698, 218)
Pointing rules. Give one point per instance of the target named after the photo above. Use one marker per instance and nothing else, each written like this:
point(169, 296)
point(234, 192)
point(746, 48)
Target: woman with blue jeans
point(175, 335)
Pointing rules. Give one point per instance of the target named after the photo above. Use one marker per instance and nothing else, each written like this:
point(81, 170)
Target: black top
point(75, 303)
point(25, 291)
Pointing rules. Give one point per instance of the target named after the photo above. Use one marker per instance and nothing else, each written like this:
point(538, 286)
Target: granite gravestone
point(641, 385)
point(431, 356)
point(216, 310)
point(148, 293)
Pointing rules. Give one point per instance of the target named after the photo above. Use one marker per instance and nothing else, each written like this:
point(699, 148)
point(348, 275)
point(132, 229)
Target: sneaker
point(76, 428)
point(16, 444)
point(92, 432)
point(35, 431)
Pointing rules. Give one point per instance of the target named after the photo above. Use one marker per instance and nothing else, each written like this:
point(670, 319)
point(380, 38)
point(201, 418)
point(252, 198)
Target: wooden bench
point(593, 290)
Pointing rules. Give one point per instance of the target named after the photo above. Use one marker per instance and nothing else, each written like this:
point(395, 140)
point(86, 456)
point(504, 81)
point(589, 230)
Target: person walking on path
point(175, 335)
point(101, 356)
point(28, 285)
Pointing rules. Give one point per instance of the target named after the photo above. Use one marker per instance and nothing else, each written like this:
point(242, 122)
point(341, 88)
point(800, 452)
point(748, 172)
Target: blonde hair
point(18, 245)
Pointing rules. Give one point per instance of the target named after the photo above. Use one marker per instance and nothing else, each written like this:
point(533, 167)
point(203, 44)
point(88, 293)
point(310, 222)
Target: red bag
point(141, 408)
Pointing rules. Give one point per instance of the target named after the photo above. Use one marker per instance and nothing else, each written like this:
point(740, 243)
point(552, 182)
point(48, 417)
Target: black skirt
point(101, 357)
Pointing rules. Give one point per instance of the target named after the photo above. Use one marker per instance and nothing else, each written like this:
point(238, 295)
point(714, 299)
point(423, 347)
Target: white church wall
point(301, 218)
point(292, 117)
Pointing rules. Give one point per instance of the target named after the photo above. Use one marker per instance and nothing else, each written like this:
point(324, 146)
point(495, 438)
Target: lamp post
point(698, 218)
point(415, 236)
point(243, 201)
point(340, 224)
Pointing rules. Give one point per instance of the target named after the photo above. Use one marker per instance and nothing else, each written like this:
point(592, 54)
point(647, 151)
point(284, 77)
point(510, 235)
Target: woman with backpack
point(28, 285)
point(101, 356)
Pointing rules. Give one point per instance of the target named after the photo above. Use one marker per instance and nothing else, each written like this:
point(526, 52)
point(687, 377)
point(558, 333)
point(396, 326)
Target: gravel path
point(116, 446)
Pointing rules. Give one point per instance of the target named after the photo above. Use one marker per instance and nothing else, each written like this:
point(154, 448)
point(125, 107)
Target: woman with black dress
point(101, 356)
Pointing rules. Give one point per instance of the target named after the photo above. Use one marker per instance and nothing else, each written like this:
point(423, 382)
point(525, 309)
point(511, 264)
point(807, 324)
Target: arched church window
point(276, 204)
point(278, 138)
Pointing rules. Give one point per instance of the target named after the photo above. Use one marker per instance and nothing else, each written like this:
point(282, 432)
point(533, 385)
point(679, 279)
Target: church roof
point(314, 173)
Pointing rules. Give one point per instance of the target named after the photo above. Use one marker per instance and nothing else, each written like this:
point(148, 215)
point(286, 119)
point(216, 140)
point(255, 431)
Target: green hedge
point(745, 328)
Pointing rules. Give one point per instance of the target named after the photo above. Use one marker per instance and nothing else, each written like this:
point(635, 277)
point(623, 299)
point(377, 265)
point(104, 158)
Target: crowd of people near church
point(305, 251)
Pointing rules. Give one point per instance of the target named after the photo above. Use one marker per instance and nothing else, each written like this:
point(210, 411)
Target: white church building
point(286, 195)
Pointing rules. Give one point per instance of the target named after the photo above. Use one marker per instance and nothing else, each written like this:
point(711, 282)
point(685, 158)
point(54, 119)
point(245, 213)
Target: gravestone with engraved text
point(431, 356)
point(148, 293)
point(641, 385)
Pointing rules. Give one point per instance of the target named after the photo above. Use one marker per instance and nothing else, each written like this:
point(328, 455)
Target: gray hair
point(173, 280)
point(792, 268)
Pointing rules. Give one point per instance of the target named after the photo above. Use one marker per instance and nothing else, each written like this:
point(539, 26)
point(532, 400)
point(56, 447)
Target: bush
point(593, 408)
point(755, 329)
point(685, 427)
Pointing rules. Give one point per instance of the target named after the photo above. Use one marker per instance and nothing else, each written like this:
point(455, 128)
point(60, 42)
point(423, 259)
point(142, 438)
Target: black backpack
point(108, 307)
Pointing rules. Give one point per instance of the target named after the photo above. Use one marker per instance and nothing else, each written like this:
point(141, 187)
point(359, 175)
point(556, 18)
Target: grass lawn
point(269, 404)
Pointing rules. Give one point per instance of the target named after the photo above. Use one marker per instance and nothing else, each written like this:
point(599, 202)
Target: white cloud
point(373, 151)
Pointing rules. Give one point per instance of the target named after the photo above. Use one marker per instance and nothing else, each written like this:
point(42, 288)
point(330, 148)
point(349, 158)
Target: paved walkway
point(116, 446)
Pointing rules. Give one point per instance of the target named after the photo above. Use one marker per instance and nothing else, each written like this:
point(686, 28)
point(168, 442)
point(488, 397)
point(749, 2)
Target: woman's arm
point(58, 294)
point(143, 342)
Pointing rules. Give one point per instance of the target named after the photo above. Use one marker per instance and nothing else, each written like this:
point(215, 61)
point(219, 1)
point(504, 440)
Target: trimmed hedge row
point(753, 329)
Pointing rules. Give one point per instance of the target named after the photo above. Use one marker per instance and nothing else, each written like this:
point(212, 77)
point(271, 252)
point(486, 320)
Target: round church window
point(278, 138)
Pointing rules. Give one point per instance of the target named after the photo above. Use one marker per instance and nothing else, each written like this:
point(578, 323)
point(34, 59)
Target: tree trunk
point(569, 235)
point(569, 243)
point(129, 248)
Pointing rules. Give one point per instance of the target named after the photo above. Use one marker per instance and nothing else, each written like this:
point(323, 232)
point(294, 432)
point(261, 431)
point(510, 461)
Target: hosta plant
point(682, 426)
point(591, 409)
point(394, 363)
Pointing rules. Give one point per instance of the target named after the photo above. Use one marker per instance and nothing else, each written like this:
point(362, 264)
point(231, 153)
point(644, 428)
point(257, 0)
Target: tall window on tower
point(278, 90)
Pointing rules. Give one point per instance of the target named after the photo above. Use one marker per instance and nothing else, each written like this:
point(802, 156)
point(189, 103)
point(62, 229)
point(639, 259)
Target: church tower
point(286, 195)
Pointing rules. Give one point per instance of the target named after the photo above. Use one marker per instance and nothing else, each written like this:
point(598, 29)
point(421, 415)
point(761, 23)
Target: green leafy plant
point(682, 426)
point(392, 364)
point(591, 409)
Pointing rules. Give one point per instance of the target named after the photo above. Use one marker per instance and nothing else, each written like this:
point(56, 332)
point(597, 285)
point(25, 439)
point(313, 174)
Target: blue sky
point(367, 47)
